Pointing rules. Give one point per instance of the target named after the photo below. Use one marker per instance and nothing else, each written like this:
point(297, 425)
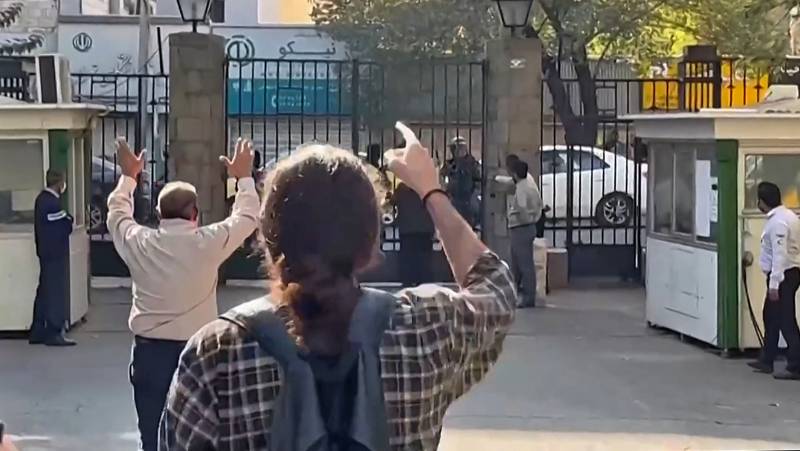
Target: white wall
point(113, 47)
point(682, 289)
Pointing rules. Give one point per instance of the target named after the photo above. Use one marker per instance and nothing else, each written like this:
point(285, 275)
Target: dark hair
point(770, 194)
point(319, 224)
point(520, 169)
point(511, 159)
point(53, 178)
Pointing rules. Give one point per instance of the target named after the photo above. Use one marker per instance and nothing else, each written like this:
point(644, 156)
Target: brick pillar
point(197, 118)
point(513, 124)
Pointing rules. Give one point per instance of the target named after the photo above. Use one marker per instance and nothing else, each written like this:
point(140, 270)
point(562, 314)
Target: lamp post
point(194, 11)
point(513, 120)
point(514, 13)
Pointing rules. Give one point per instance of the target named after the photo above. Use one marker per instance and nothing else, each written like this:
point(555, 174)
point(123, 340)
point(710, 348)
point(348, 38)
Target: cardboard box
point(557, 268)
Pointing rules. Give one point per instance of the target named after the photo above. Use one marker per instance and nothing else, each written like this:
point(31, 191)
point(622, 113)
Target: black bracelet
point(430, 193)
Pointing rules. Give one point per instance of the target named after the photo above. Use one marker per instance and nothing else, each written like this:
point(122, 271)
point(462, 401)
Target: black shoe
point(59, 341)
point(760, 367)
point(787, 375)
point(36, 338)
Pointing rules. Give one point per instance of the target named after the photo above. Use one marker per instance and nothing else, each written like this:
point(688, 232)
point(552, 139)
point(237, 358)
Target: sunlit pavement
point(583, 373)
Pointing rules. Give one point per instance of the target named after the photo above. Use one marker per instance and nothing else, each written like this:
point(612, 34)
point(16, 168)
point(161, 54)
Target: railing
point(13, 80)
point(126, 95)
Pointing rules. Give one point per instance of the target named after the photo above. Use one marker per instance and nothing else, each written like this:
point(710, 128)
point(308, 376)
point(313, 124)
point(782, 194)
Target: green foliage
point(750, 28)
point(391, 29)
point(643, 30)
point(10, 14)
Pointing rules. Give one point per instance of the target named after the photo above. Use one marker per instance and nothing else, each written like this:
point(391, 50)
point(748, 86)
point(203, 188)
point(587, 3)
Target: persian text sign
point(297, 97)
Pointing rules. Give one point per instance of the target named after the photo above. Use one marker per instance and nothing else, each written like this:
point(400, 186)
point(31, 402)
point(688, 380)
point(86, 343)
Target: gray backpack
point(326, 405)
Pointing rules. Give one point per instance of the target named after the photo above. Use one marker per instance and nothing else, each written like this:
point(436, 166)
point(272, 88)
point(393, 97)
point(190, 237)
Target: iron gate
point(124, 95)
point(598, 194)
point(280, 104)
point(595, 194)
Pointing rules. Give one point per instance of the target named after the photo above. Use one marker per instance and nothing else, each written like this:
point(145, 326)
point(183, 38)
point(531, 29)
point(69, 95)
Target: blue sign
point(273, 97)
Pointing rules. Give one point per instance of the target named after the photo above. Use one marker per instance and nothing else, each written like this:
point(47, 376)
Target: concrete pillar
point(197, 118)
point(513, 124)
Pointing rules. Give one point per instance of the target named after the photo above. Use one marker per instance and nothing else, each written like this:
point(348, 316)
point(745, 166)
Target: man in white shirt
point(780, 261)
point(174, 270)
point(524, 210)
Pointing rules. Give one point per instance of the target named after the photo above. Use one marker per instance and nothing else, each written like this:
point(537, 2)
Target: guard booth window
point(782, 170)
point(684, 190)
point(662, 188)
point(683, 203)
point(20, 183)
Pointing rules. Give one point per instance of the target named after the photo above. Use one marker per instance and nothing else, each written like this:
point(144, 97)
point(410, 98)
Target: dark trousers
point(780, 319)
point(153, 363)
point(416, 258)
point(50, 305)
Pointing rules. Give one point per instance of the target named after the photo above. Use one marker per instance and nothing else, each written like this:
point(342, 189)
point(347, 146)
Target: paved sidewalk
point(584, 373)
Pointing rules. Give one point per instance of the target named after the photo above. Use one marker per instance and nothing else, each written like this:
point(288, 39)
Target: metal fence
point(280, 104)
point(598, 194)
point(13, 80)
point(126, 95)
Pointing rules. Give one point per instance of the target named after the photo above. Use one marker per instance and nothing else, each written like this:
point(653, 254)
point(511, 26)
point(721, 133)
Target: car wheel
point(614, 210)
point(96, 217)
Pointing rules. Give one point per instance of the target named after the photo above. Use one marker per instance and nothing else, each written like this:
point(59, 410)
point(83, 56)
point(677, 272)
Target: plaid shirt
point(439, 343)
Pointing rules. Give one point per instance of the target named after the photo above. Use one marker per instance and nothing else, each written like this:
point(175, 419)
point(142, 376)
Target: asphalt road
point(583, 373)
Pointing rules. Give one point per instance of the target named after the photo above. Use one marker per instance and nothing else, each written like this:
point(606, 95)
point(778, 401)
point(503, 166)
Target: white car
point(604, 184)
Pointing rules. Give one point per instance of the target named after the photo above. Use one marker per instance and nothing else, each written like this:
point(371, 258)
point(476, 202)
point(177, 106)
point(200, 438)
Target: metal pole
point(142, 88)
point(144, 54)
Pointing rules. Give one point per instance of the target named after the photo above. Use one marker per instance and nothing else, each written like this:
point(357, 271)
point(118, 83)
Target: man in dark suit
point(416, 230)
point(52, 228)
point(462, 176)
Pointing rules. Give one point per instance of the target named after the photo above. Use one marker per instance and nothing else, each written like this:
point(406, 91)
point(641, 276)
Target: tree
point(583, 32)
point(9, 16)
point(387, 29)
point(750, 28)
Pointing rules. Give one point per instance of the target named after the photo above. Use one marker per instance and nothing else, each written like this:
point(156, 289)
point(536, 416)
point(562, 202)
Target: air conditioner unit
point(53, 83)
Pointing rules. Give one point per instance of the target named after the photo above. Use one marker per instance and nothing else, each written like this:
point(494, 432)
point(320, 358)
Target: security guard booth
point(34, 138)
point(703, 227)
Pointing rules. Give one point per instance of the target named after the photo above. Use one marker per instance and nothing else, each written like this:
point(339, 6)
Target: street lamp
point(194, 11)
point(514, 13)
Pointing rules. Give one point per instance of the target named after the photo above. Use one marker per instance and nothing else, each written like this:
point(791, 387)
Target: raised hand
point(413, 164)
point(131, 164)
point(241, 165)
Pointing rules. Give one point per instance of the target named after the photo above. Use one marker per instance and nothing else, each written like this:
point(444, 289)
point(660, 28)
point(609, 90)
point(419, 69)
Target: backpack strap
point(371, 319)
point(258, 318)
point(297, 426)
